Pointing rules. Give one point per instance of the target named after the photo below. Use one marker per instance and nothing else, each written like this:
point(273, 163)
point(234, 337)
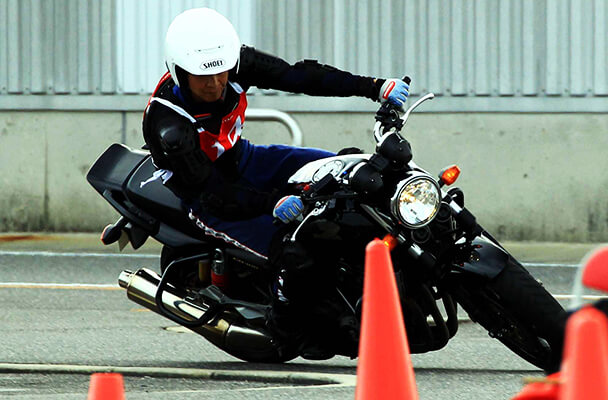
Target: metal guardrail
point(267, 114)
point(132, 103)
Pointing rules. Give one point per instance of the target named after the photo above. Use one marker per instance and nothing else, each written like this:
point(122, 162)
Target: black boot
point(294, 326)
point(282, 318)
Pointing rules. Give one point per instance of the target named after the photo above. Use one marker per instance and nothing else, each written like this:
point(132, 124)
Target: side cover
point(147, 192)
point(125, 178)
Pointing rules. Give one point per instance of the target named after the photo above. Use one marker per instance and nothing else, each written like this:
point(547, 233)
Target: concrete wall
point(526, 176)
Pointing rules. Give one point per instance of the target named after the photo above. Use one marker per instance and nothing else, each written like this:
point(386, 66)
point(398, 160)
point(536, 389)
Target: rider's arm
point(308, 77)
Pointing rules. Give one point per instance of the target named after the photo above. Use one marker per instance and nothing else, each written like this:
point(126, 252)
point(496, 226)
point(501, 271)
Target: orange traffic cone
point(585, 366)
point(545, 389)
point(595, 275)
point(106, 386)
point(385, 368)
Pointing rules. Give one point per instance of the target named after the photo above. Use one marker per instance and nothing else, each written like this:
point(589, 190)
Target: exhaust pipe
point(228, 330)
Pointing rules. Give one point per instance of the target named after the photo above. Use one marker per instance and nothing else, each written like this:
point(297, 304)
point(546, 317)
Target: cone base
point(106, 386)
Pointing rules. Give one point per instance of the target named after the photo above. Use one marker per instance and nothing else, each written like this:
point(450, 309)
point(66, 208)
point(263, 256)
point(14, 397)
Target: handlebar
point(391, 117)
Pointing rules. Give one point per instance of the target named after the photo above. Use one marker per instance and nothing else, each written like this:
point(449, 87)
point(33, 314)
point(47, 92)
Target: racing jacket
point(194, 140)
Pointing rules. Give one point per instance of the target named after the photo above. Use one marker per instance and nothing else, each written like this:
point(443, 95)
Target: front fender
point(486, 259)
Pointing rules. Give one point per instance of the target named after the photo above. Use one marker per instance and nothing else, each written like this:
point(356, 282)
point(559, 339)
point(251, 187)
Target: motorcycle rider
point(193, 121)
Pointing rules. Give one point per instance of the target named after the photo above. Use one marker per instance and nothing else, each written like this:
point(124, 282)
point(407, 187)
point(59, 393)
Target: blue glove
point(288, 208)
point(395, 91)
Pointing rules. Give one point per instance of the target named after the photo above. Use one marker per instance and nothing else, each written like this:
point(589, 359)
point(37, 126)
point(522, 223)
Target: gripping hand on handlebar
point(395, 91)
point(288, 208)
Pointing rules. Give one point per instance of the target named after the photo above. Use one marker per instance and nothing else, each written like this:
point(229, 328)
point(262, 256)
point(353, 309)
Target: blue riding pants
point(264, 167)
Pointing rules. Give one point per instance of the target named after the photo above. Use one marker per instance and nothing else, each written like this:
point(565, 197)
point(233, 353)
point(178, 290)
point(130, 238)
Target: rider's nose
point(211, 81)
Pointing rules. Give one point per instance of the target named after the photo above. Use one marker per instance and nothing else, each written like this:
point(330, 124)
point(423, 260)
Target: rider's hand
point(395, 91)
point(288, 208)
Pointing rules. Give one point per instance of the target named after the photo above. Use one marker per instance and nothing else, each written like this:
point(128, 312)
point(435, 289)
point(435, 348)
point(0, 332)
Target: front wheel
point(517, 310)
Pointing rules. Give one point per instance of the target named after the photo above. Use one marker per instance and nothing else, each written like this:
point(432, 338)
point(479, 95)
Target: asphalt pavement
point(547, 252)
point(63, 317)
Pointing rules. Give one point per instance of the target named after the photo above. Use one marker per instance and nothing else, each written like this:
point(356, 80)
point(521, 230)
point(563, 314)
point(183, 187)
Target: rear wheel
point(517, 310)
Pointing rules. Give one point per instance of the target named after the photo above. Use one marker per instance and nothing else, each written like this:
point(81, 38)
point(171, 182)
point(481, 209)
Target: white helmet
point(202, 42)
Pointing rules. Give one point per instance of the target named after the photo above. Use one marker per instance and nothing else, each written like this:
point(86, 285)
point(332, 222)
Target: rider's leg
point(269, 167)
point(263, 169)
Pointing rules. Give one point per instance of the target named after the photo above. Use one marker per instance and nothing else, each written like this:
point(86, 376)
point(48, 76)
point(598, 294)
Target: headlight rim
point(394, 202)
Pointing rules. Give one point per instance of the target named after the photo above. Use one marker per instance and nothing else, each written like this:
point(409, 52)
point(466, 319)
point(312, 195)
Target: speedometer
point(333, 167)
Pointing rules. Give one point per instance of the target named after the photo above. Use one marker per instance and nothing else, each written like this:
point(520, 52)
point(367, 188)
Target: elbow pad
point(314, 67)
point(181, 151)
point(177, 139)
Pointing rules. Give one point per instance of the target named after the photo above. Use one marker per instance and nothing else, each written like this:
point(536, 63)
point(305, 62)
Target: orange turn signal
point(449, 174)
point(390, 241)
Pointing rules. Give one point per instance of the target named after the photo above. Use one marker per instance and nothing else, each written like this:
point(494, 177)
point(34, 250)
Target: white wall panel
point(600, 44)
point(505, 47)
point(14, 68)
point(3, 45)
point(577, 59)
point(38, 53)
point(61, 68)
point(474, 52)
point(481, 53)
point(458, 48)
point(555, 66)
point(140, 34)
point(84, 60)
point(530, 57)
point(435, 46)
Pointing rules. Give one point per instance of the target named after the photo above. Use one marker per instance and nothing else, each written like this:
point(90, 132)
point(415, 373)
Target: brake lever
point(320, 207)
point(426, 97)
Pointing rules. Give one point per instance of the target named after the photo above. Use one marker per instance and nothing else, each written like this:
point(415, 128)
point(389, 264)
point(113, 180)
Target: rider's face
point(207, 88)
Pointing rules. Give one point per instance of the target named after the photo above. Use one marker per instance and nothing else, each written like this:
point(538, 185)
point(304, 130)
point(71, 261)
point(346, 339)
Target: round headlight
point(416, 200)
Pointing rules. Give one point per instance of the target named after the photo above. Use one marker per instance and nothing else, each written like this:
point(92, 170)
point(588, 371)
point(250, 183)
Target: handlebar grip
point(407, 79)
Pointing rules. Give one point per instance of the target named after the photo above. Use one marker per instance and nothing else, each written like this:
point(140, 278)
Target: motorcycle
point(442, 256)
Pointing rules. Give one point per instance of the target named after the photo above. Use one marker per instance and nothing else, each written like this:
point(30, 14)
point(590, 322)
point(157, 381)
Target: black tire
point(517, 310)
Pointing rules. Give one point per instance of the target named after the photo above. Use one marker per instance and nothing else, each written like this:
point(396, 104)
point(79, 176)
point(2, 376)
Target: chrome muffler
point(233, 329)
